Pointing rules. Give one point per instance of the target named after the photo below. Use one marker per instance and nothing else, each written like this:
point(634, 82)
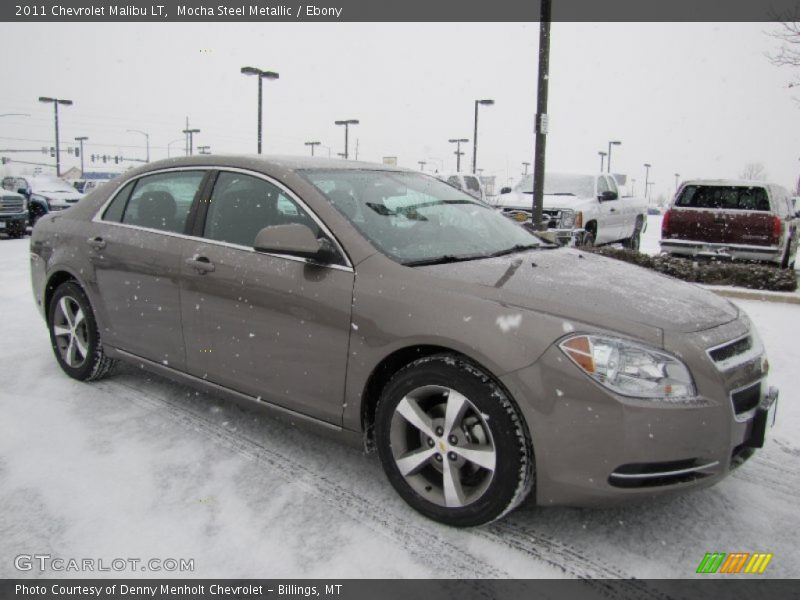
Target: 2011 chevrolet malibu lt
point(389, 308)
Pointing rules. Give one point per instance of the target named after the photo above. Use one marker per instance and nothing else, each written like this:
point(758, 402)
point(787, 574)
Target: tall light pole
point(542, 87)
point(56, 102)
point(646, 178)
point(80, 140)
point(421, 164)
point(312, 144)
point(602, 159)
point(346, 123)
point(525, 165)
point(458, 152)
point(190, 133)
point(612, 143)
point(146, 139)
point(475, 133)
point(633, 186)
point(169, 145)
point(677, 178)
point(649, 185)
point(262, 75)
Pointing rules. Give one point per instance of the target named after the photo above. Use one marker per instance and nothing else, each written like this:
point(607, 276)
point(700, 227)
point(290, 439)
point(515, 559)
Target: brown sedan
point(388, 308)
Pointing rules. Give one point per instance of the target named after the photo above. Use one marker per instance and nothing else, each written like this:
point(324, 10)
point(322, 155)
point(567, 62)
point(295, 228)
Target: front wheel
point(452, 443)
point(74, 334)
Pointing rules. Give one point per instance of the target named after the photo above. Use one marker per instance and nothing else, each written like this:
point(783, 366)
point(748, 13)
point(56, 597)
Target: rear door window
point(117, 207)
point(163, 201)
point(724, 197)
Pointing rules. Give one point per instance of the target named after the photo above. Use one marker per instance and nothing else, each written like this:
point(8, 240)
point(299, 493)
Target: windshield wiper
point(444, 259)
point(555, 193)
point(515, 248)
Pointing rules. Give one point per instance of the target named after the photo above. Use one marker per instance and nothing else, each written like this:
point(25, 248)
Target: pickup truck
point(580, 209)
point(13, 214)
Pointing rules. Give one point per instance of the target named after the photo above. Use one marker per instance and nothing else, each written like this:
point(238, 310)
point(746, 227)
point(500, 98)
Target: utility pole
point(312, 144)
point(204, 149)
point(80, 140)
point(525, 165)
point(56, 102)
point(646, 178)
point(677, 178)
point(541, 114)
point(458, 152)
point(190, 133)
point(421, 164)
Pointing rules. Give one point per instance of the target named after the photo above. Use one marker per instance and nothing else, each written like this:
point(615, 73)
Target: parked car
point(48, 194)
point(13, 214)
point(84, 186)
point(728, 219)
point(466, 182)
point(382, 306)
point(585, 209)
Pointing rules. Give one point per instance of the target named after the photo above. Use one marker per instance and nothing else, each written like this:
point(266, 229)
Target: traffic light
point(105, 158)
point(77, 152)
point(116, 160)
point(5, 160)
point(52, 151)
point(93, 157)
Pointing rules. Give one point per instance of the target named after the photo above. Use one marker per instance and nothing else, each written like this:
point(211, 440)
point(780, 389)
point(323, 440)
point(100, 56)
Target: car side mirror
point(294, 239)
point(607, 195)
point(23, 191)
point(505, 190)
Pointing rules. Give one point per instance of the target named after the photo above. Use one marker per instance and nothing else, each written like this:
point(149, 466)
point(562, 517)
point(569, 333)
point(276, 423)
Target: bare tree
point(754, 171)
point(788, 33)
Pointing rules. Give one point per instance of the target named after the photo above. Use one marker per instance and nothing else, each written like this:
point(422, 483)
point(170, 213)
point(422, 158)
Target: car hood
point(593, 289)
point(517, 199)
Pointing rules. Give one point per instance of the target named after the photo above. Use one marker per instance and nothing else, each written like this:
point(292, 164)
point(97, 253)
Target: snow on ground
point(137, 466)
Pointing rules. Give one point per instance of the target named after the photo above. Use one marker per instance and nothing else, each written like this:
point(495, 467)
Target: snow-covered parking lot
point(137, 466)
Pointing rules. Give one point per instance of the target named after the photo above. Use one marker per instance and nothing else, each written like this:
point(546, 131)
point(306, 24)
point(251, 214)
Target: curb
point(756, 295)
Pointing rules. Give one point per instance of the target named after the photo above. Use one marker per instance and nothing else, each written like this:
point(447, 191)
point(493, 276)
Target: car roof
point(728, 182)
point(275, 165)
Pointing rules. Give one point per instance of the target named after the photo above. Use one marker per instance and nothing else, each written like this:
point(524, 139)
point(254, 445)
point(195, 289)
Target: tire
point(634, 241)
point(74, 335)
point(588, 238)
point(17, 231)
point(419, 455)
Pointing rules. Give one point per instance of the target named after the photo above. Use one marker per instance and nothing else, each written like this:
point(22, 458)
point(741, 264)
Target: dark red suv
point(725, 219)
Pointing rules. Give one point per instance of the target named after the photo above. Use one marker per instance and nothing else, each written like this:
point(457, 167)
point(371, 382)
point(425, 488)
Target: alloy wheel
point(70, 332)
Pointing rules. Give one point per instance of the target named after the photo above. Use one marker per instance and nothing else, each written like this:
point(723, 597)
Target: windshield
point(556, 184)
point(724, 197)
point(417, 219)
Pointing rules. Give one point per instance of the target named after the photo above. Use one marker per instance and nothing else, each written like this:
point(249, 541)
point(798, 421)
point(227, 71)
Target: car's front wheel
point(452, 443)
point(74, 334)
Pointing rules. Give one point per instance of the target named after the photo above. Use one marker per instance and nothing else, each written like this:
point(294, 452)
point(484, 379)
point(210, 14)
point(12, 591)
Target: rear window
point(724, 197)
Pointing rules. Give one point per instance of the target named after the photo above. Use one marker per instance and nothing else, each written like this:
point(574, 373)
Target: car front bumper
point(593, 447)
point(722, 251)
point(18, 219)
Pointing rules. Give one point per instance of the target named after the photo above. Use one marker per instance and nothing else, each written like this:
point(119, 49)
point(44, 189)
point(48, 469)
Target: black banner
point(396, 11)
point(732, 588)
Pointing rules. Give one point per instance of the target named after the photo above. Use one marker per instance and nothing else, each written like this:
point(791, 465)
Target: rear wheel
point(74, 335)
point(634, 241)
point(452, 443)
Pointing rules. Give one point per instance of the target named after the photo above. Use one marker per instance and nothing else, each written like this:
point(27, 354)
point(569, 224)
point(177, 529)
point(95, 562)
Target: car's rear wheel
point(634, 241)
point(74, 334)
point(452, 443)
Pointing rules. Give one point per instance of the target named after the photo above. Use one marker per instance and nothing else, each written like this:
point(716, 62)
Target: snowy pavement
point(137, 466)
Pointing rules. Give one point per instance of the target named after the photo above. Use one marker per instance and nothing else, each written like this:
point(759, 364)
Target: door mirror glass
point(294, 239)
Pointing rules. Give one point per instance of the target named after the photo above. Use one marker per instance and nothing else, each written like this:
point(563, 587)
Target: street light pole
point(261, 76)
point(169, 144)
point(525, 166)
point(147, 141)
point(646, 178)
point(421, 164)
point(614, 143)
point(312, 144)
point(346, 124)
point(204, 149)
point(458, 152)
point(80, 140)
point(677, 178)
point(56, 102)
point(190, 133)
point(475, 134)
point(602, 159)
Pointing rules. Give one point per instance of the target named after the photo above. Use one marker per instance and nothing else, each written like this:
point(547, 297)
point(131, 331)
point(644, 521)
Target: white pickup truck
point(580, 209)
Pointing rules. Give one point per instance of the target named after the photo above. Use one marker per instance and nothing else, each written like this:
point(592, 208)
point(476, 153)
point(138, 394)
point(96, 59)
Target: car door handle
point(201, 264)
point(612, 210)
point(97, 243)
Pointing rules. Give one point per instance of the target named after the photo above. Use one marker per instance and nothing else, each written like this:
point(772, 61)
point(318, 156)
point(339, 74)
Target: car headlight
point(630, 369)
point(567, 218)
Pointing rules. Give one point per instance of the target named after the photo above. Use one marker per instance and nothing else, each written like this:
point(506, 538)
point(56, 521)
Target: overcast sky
point(697, 99)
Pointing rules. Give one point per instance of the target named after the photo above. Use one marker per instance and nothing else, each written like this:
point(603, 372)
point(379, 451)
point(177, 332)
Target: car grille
point(736, 353)
point(734, 348)
point(11, 205)
point(638, 475)
point(552, 218)
point(746, 399)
